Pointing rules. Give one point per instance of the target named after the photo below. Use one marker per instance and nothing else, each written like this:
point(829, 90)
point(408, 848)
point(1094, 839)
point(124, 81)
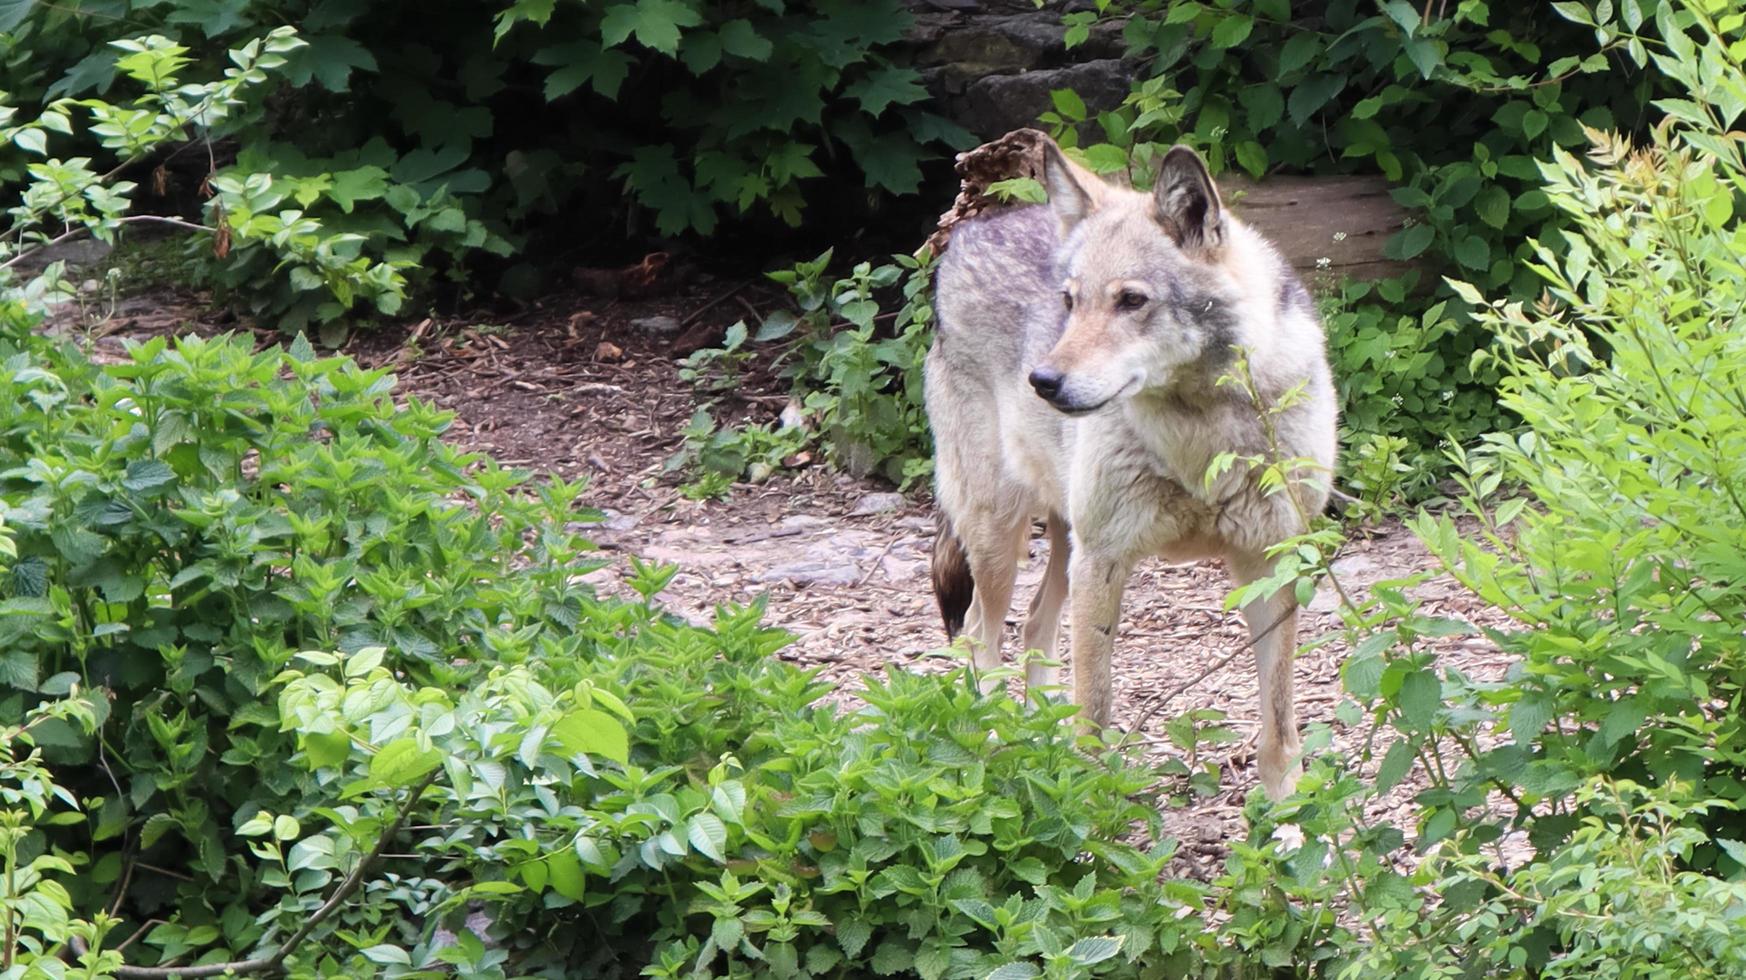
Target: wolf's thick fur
point(1074, 378)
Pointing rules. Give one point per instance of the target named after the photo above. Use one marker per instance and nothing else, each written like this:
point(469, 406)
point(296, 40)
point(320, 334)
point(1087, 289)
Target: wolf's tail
point(953, 586)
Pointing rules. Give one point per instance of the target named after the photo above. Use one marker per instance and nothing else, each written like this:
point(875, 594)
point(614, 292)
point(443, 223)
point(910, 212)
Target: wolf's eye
point(1067, 298)
point(1130, 300)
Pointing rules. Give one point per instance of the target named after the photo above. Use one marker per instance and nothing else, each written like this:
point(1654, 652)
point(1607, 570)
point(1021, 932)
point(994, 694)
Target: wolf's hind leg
point(993, 541)
point(1043, 624)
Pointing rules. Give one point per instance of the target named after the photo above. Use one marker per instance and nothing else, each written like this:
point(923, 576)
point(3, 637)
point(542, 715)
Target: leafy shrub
point(442, 134)
point(62, 198)
point(858, 381)
point(320, 635)
point(1580, 814)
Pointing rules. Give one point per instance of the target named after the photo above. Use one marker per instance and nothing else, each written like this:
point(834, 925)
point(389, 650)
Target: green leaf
point(586, 731)
point(656, 23)
point(327, 750)
point(1068, 104)
point(1094, 949)
point(893, 957)
point(566, 875)
point(286, 827)
point(328, 59)
point(1014, 971)
point(1404, 14)
point(886, 87)
point(1473, 252)
point(1421, 694)
point(1493, 206)
point(1251, 157)
point(13, 14)
point(387, 955)
point(18, 669)
point(1311, 94)
point(147, 474)
point(1395, 765)
point(32, 140)
point(1411, 242)
point(1299, 50)
point(366, 183)
point(581, 62)
point(1262, 106)
point(738, 38)
point(708, 834)
point(932, 961)
point(1426, 55)
point(402, 762)
point(1030, 870)
point(1233, 30)
point(852, 936)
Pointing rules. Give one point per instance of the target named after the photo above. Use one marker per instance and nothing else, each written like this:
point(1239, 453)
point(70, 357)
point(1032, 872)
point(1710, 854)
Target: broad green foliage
point(1582, 816)
point(856, 374)
point(64, 197)
point(440, 134)
point(336, 665)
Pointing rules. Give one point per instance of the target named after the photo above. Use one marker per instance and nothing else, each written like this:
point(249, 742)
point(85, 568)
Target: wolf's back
point(995, 278)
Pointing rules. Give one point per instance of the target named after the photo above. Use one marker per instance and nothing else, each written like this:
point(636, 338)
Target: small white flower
point(1339, 236)
point(1324, 262)
point(1289, 836)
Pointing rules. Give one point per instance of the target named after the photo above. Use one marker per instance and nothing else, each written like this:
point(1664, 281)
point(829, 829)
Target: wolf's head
point(1142, 279)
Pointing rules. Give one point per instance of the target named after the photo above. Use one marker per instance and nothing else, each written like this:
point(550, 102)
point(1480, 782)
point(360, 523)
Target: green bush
point(441, 134)
point(310, 633)
point(1579, 815)
point(62, 198)
point(854, 371)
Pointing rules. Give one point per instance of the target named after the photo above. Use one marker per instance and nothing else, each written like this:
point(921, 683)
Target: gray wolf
point(1074, 378)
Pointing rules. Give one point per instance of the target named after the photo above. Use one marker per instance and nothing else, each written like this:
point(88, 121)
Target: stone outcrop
point(990, 64)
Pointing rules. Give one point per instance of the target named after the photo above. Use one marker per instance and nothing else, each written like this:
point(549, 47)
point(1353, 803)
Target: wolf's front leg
point(1094, 588)
point(1273, 632)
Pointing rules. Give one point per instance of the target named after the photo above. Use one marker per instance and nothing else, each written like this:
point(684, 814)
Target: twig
point(878, 560)
point(76, 232)
point(271, 964)
point(693, 316)
point(1215, 667)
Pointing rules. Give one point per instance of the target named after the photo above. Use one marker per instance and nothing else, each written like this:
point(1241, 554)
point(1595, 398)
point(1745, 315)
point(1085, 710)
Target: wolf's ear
point(1069, 198)
point(1185, 202)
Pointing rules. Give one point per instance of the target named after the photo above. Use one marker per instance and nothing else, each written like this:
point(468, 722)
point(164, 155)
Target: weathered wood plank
point(1328, 228)
point(1344, 220)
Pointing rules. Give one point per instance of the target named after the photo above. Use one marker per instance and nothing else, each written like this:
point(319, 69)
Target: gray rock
point(812, 573)
point(998, 104)
point(656, 324)
point(877, 503)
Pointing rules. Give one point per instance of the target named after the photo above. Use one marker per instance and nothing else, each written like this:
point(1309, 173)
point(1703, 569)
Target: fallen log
point(1328, 228)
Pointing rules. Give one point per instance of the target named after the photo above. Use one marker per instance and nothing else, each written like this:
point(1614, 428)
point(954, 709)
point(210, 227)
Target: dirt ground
point(581, 384)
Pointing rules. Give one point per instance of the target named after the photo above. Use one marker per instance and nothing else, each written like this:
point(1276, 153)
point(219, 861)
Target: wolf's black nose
point(1047, 381)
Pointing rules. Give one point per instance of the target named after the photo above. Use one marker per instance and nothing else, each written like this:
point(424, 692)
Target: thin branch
point(271, 964)
point(1215, 667)
point(132, 219)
